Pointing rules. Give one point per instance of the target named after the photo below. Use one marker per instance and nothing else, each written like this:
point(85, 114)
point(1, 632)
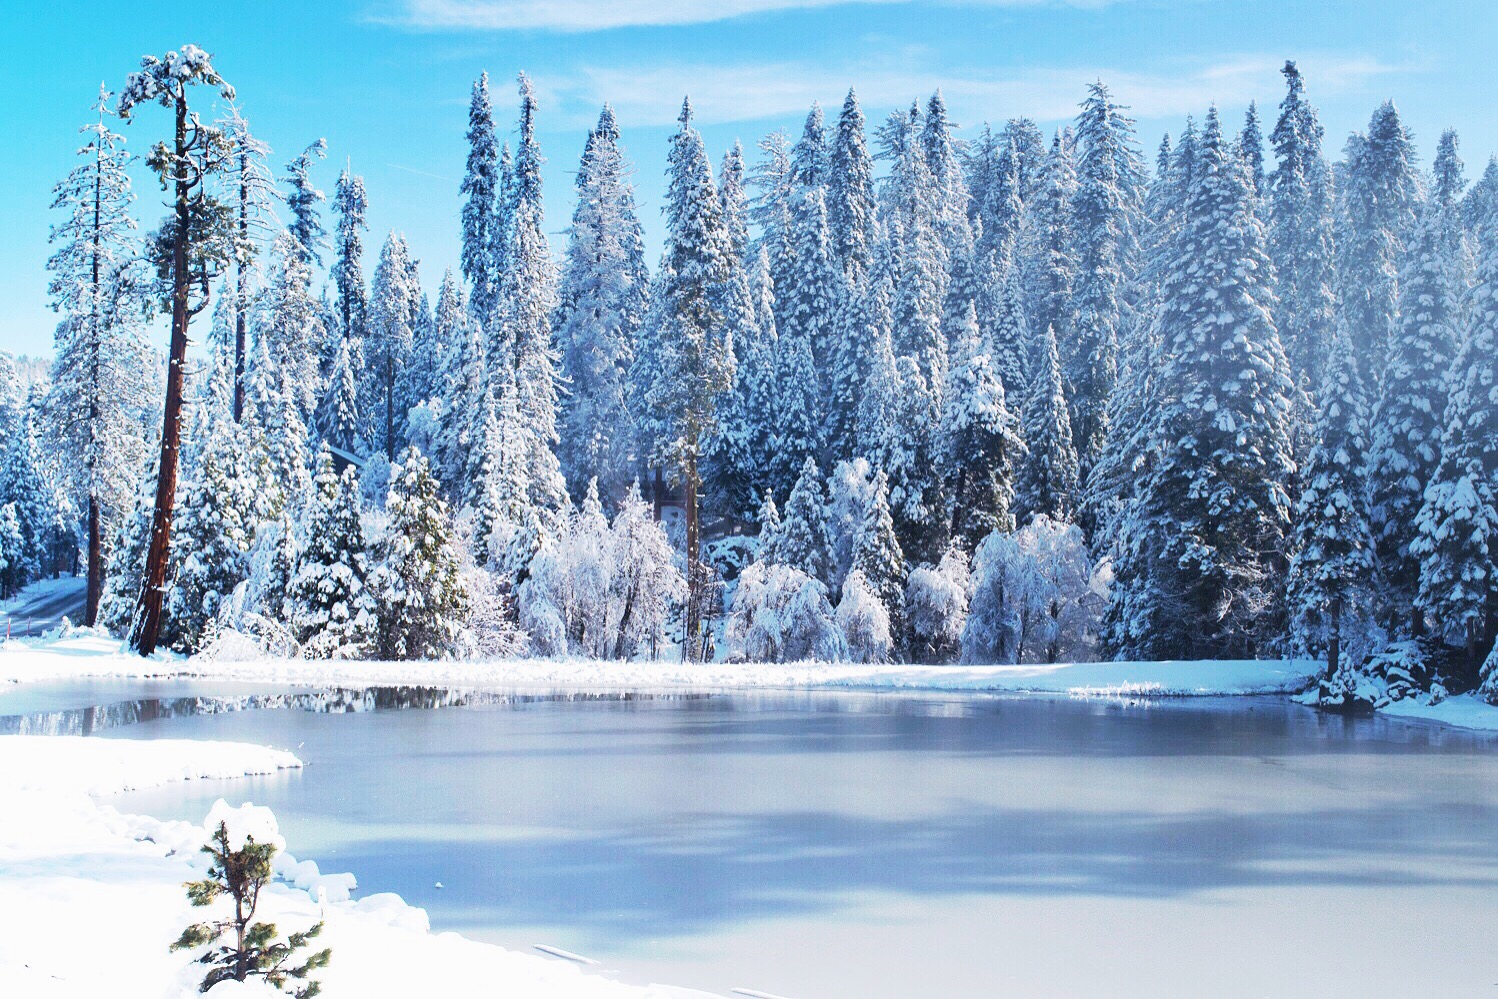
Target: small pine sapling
point(238, 947)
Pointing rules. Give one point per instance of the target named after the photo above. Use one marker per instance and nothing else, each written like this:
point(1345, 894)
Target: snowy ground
point(90, 899)
point(84, 655)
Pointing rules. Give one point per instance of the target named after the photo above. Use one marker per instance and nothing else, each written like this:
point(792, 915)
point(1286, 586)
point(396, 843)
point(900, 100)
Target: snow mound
point(244, 823)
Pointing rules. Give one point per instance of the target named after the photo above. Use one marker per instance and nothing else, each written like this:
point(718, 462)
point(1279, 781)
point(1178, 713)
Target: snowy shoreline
point(86, 656)
point(82, 654)
point(72, 867)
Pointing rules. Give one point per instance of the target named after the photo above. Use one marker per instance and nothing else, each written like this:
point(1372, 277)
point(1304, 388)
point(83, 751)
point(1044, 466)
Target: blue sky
point(386, 82)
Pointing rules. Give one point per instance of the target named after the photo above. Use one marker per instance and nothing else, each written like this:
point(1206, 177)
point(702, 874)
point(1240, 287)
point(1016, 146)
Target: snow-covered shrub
point(1399, 670)
point(864, 621)
point(424, 424)
point(374, 479)
point(597, 590)
point(1489, 677)
point(936, 602)
point(1035, 596)
point(492, 631)
point(564, 603)
point(1395, 672)
point(781, 614)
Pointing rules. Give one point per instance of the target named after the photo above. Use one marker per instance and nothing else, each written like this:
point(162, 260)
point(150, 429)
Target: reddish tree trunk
point(153, 588)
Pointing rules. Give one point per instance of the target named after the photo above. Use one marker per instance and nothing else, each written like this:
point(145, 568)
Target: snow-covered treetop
point(163, 80)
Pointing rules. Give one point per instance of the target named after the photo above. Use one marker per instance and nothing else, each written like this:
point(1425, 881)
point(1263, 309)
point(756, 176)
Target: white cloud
point(595, 15)
point(651, 94)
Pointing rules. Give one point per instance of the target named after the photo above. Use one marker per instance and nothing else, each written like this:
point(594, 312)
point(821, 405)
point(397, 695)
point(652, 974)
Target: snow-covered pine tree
point(289, 322)
point(419, 600)
point(285, 447)
point(768, 518)
point(1001, 211)
point(302, 199)
point(1022, 138)
point(459, 447)
point(100, 372)
point(1251, 151)
point(896, 432)
point(1379, 191)
point(1104, 207)
point(481, 193)
point(250, 191)
point(734, 197)
point(189, 250)
point(336, 420)
point(810, 157)
point(22, 489)
point(739, 450)
point(693, 341)
point(422, 380)
point(1481, 198)
point(1407, 420)
point(939, 148)
point(1008, 335)
point(528, 297)
point(1458, 523)
point(863, 322)
point(807, 311)
point(12, 555)
point(1331, 570)
point(1301, 235)
point(802, 540)
point(604, 295)
point(798, 412)
point(1208, 529)
point(878, 558)
point(126, 556)
point(1050, 265)
point(979, 441)
point(771, 209)
point(393, 308)
point(350, 205)
point(220, 507)
point(1446, 192)
point(850, 195)
point(332, 611)
point(450, 322)
point(1047, 481)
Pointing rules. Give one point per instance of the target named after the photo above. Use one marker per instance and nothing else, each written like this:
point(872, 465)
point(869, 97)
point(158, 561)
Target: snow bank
point(1463, 711)
point(87, 655)
point(74, 869)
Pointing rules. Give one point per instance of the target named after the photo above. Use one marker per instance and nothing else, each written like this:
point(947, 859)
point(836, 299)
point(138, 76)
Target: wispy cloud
point(651, 94)
point(597, 15)
point(420, 173)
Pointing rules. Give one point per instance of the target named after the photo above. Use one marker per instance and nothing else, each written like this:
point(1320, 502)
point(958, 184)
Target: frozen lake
point(881, 846)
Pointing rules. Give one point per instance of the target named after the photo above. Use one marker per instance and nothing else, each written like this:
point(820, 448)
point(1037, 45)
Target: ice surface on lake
point(881, 845)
